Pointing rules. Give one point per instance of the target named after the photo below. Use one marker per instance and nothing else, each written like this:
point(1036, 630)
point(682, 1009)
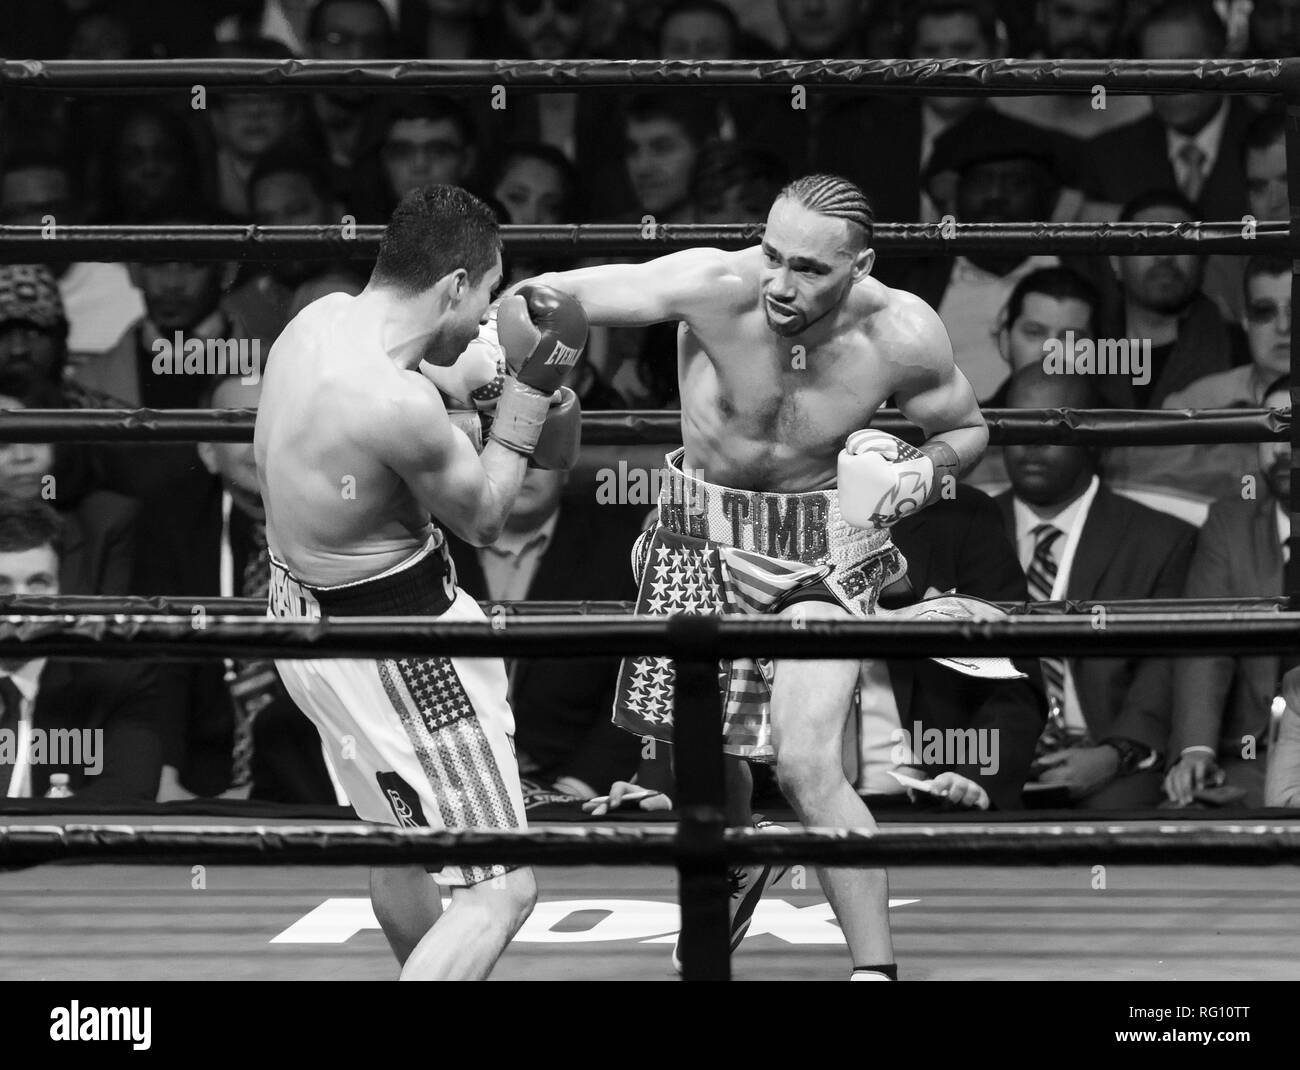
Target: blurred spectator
point(1107, 727)
point(150, 165)
point(542, 29)
point(1050, 305)
point(1282, 784)
point(1275, 29)
point(1264, 148)
point(255, 738)
point(663, 137)
point(33, 327)
point(1077, 29)
point(287, 189)
point(447, 29)
point(105, 712)
point(536, 185)
point(98, 525)
point(43, 29)
point(1163, 307)
point(247, 125)
point(1192, 141)
point(291, 22)
point(342, 118)
point(418, 141)
point(1222, 703)
point(956, 544)
point(698, 30)
point(560, 548)
point(1006, 173)
point(100, 33)
point(823, 29)
point(884, 143)
point(736, 183)
point(1215, 470)
point(99, 300)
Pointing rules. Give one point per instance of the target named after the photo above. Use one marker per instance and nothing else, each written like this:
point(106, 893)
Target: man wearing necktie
point(274, 751)
point(97, 722)
point(1106, 730)
point(1223, 705)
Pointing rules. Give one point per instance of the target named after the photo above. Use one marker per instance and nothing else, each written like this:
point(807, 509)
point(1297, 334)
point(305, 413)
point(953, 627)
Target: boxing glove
point(561, 439)
point(542, 332)
point(478, 367)
point(882, 479)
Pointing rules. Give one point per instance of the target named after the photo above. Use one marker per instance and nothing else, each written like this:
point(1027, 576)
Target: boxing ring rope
point(1254, 844)
point(638, 427)
point(346, 241)
point(701, 846)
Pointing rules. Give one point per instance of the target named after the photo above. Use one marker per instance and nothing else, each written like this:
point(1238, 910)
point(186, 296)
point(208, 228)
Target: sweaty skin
point(762, 411)
point(355, 450)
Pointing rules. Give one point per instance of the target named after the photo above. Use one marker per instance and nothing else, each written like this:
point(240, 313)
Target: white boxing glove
point(480, 366)
point(882, 479)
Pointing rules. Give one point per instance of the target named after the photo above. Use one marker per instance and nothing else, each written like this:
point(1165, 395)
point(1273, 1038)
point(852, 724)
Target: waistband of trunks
point(423, 584)
point(806, 527)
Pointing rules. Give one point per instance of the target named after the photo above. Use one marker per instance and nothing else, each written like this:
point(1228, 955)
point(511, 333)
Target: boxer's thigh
point(811, 700)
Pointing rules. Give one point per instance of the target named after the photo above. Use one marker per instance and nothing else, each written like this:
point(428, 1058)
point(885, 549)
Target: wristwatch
point(1133, 756)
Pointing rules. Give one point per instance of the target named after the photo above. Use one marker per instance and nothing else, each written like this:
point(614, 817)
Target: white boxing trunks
point(415, 742)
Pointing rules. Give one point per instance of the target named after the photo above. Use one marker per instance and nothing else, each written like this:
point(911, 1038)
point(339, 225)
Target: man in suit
point(1222, 702)
point(1107, 726)
point(571, 550)
point(1191, 142)
point(244, 736)
point(958, 544)
point(97, 722)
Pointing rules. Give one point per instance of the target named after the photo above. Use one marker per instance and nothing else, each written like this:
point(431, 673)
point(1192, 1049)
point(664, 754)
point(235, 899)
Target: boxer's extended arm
point(471, 493)
point(671, 287)
point(938, 398)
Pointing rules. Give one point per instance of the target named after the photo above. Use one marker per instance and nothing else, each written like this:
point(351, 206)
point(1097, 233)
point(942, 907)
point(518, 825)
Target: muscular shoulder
point(906, 326)
point(714, 279)
point(402, 416)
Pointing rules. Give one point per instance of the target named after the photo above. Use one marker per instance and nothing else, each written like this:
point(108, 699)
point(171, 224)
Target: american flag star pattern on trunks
point(452, 748)
point(682, 574)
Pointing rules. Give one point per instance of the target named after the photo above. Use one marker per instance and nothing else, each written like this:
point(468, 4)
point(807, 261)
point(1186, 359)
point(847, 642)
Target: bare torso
point(334, 513)
point(764, 412)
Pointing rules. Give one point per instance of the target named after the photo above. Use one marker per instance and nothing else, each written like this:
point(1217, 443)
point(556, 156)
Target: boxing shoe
point(748, 883)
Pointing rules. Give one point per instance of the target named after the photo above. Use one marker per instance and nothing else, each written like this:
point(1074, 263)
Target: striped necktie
point(1192, 160)
point(1041, 579)
point(10, 720)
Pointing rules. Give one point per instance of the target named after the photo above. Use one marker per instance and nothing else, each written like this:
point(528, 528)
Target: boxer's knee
point(806, 774)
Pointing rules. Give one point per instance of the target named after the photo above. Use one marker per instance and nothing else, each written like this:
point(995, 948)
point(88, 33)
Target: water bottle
point(59, 787)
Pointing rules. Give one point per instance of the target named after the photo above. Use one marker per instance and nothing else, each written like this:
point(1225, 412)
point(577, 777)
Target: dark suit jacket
point(119, 698)
point(1205, 345)
point(1134, 158)
point(98, 545)
point(562, 706)
point(961, 543)
point(1218, 698)
point(1126, 551)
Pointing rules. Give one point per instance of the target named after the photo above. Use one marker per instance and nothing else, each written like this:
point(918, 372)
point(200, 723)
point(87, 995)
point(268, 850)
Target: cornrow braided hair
point(830, 195)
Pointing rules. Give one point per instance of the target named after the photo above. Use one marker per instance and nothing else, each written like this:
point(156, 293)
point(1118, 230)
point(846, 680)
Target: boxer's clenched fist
point(542, 332)
point(882, 479)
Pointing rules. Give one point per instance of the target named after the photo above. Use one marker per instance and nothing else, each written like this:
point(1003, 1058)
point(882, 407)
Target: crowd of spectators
point(1030, 522)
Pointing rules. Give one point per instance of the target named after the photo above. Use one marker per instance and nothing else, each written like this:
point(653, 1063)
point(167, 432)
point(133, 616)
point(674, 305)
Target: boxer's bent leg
point(407, 903)
point(468, 939)
point(810, 703)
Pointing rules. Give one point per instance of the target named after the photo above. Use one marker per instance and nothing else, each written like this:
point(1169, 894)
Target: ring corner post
point(697, 755)
point(1292, 98)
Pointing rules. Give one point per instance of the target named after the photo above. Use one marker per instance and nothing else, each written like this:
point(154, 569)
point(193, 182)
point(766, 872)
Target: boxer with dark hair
point(356, 455)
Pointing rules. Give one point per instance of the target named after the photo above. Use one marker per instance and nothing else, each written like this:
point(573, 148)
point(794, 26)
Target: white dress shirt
point(1071, 520)
point(27, 679)
point(970, 310)
point(510, 563)
point(1283, 531)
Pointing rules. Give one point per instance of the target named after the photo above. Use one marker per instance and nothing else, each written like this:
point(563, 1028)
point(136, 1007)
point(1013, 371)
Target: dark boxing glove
point(542, 332)
point(560, 440)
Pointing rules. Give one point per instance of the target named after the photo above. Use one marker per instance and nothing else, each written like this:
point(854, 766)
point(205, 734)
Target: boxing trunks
point(416, 742)
point(718, 550)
